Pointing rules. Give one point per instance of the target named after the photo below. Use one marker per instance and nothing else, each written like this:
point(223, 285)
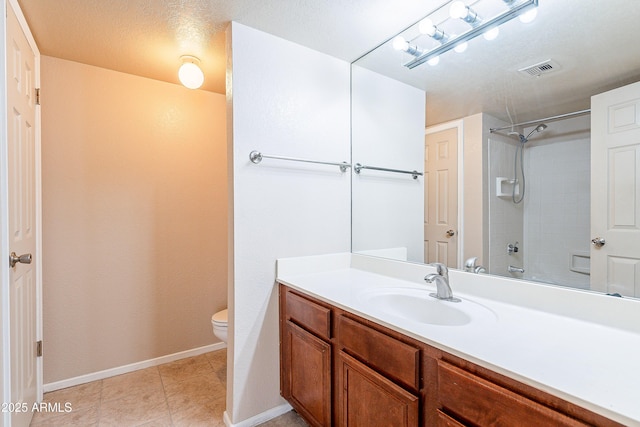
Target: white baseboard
point(82, 379)
point(260, 418)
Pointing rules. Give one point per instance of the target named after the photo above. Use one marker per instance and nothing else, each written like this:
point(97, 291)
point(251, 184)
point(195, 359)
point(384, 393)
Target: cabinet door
point(307, 375)
point(366, 398)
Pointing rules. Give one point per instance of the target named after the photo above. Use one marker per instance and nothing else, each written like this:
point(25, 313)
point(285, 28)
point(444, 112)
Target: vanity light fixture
point(399, 43)
point(427, 27)
point(189, 73)
point(459, 10)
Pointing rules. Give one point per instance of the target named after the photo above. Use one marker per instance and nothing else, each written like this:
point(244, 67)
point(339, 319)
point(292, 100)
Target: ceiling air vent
point(544, 67)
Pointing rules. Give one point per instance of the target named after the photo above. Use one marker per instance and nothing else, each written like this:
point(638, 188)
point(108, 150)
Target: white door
point(615, 191)
point(23, 202)
point(441, 197)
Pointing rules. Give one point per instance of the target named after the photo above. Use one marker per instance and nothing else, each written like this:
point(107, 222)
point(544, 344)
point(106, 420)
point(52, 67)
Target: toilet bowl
point(219, 322)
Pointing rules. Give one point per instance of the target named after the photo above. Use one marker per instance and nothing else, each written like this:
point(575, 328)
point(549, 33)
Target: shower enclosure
point(539, 210)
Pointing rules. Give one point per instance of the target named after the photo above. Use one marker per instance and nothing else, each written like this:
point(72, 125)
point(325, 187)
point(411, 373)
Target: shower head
point(538, 128)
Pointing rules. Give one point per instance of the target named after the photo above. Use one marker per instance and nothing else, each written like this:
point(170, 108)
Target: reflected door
point(615, 186)
point(22, 155)
point(441, 197)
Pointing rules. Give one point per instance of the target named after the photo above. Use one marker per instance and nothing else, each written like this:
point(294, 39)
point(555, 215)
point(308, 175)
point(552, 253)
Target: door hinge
point(37, 96)
point(39, 349)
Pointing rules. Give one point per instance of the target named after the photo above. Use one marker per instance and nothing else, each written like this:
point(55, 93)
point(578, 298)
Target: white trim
point(260, 418)
point(459, 125)
point(5, 362)
point(100, 375)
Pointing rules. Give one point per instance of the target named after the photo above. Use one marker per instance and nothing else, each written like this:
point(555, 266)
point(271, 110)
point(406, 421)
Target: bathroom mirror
point(542, 72)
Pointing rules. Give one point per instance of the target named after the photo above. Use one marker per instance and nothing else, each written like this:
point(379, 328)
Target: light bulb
point(434, 61)
point(190, 75)
point(458, 10)
point(492, 34)
point(426, 27)
point(461, 47)
point(529, 16)
point(399, 43)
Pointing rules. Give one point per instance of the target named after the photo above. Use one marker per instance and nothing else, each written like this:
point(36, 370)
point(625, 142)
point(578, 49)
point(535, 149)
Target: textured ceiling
point(594, 42)
point(147, 37)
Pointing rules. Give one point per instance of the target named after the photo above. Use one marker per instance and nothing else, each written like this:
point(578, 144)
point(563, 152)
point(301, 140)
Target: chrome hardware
point(598, 242)
point(358, 167)
point(451, 233)
point(14, 259)
point(511, 248)
point(512, 269)
point(256, 157)
point(443, 290)
point(471, 267)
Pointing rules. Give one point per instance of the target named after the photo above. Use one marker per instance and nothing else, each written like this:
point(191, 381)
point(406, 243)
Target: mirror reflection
point(518, 178)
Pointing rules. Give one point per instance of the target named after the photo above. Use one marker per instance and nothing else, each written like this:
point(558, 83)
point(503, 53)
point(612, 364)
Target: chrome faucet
point(441, 278)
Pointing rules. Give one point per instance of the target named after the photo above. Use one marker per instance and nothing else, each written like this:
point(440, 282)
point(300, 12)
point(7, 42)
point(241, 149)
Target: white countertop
point(579, 346)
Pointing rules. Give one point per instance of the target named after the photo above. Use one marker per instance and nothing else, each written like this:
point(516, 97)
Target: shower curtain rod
point(548, 119)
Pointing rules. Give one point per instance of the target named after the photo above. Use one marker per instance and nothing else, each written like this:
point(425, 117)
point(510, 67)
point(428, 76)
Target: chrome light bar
point(500, 19)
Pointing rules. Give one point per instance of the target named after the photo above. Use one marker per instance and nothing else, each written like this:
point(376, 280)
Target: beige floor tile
point(82, 417)
point(126, 384)
point(194, 392)
point(134, 409)
point(218, 361)
point(205, 415)
point(182, 369)
point(161, 422)
point(83, 396)
point(290, 419)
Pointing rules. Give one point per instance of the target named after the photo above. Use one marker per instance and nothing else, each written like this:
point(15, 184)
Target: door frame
point(5, 364)
point(459, 126)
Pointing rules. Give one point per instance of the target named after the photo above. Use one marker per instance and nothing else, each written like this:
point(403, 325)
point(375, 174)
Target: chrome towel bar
point(358, 167)
point(256, 157)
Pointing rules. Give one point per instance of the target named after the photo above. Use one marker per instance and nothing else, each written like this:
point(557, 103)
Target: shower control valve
point(512, 248)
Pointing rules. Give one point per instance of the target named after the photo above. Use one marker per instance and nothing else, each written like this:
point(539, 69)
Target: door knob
point(451, 233)
point(598, 242)
point(14, 259)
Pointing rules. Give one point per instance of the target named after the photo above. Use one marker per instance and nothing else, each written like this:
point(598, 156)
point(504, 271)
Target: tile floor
point(187, 392)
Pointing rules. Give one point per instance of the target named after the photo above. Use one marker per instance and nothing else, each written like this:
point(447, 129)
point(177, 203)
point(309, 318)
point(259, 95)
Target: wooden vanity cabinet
point(340, 369)
point(377, 376)
point(306, 357)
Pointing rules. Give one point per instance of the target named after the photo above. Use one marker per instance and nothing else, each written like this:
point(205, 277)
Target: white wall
point(505, 217)
point(134, 218)
point(388, 131)
point(283, 99)
point(557, 203)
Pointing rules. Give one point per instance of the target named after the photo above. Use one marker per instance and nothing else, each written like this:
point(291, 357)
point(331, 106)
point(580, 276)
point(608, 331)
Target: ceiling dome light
point(190, 74)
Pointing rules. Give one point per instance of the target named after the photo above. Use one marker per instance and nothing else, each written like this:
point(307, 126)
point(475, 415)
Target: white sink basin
point(416, 305)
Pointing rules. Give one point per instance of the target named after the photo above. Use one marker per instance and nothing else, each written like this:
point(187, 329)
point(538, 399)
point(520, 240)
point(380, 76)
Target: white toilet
point(219, 322)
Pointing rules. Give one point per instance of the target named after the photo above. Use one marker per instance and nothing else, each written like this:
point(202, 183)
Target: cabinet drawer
point(470, 398)
point(392, 357)
point(311, 316)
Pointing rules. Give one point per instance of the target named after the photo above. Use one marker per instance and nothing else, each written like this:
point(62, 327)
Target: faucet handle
point(441, 269)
